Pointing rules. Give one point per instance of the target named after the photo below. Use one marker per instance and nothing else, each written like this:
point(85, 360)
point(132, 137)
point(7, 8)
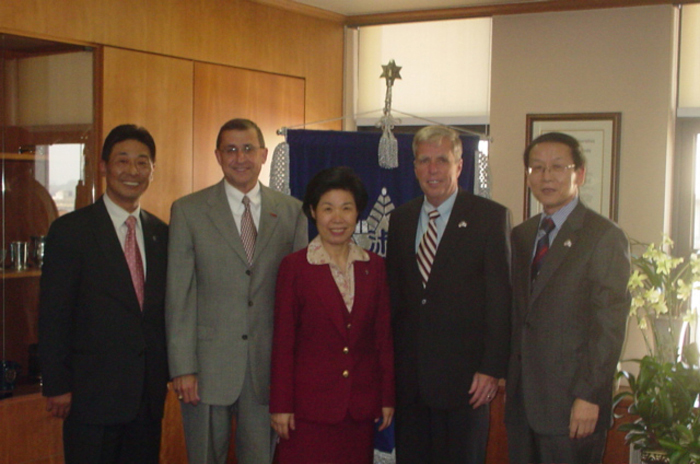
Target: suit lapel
point(331, 297)
point(566, 238)
point(365, 283)
point(107, 239)
point(526, 248)
point(222, 218)
point(455, 231)
point(268, 221)
point(154, 277)
point(413, 211)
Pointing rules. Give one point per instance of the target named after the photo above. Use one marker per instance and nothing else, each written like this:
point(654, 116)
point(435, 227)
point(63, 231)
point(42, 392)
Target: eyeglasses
point(556, 169)
point(247, 149)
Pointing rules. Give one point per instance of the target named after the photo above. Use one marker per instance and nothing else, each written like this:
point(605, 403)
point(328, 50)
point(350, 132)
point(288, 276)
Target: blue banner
point(311, 151)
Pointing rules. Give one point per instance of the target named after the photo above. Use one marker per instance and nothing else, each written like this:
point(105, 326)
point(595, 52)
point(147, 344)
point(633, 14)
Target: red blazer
point(326, 362)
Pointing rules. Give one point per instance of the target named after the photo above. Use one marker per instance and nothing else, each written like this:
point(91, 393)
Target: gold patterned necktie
point(248, 231)
point(133, 259)
point(428, 247)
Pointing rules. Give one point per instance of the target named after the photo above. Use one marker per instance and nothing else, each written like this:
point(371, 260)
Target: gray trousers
point(208, 430)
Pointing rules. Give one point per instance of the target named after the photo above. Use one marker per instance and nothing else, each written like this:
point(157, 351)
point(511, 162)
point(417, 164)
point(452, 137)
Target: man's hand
point(483, 389)
point(584, 416)
point(59, 406)
point(186, 389)
point(387, 416)
point(282, 423)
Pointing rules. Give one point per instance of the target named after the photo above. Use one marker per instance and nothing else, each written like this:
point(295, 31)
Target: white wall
point(610, 60)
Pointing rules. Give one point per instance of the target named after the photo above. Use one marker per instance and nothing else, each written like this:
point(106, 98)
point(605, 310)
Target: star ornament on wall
point(391, 71)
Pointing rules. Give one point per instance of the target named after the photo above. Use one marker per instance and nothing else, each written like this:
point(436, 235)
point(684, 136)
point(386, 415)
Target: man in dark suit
point(101, 319)
point(570, 272)
point(450, 292)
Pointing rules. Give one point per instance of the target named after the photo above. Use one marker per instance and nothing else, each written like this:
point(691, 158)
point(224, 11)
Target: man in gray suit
point(226, 244)
point(570, 272)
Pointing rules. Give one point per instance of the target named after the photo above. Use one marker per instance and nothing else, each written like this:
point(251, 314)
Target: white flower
point(636, 280)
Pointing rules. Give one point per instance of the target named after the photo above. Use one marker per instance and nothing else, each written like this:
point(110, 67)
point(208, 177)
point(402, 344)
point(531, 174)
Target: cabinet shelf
point(12, 274)
point(21, 157)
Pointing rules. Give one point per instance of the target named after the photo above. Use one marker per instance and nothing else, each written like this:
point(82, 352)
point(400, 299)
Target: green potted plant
point(664, 392)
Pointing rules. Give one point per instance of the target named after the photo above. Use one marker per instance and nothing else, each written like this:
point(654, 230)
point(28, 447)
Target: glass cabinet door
point(47, 168)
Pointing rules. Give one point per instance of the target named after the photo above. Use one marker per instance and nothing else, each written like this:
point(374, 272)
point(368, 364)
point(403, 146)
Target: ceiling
point(365, 7)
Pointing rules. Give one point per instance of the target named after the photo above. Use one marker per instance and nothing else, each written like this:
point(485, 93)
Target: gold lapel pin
point(567, 244)
point(462, 224)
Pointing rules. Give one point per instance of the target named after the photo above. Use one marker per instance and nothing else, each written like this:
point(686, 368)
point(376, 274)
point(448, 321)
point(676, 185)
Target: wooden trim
point(51, 38)
point(498, 10)
point(92, 178)
point(301, 8)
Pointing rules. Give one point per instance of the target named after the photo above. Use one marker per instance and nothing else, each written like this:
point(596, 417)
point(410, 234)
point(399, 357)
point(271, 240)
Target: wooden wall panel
point(27, 433)
point(223, 93)
point(154, 92)
point(236, 33)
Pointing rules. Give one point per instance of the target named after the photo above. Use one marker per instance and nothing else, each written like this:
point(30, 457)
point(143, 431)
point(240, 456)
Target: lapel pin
point(462, 224)
point(567, 244)
point(273, 215)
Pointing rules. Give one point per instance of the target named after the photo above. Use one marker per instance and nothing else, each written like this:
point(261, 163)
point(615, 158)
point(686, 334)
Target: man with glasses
point(570, 268)
point(226, 244)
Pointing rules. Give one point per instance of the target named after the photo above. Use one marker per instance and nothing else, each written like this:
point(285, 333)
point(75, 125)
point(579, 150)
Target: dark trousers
point(527, 447)
point(427, 435)
point(136, 442)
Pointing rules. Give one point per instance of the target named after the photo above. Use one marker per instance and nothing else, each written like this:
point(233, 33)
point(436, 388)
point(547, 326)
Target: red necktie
point(542, 247)
point(133, 259)
point(248, 232)
point(428, 247)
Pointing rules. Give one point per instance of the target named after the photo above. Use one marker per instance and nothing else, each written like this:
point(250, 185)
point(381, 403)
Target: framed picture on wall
point(599, 136)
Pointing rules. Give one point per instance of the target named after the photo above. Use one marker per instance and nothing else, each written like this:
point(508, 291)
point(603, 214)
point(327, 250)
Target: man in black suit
point(570, 272)
point(450, 313)
point(101, 319)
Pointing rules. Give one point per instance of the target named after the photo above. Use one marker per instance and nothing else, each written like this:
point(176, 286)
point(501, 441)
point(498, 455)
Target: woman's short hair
point(335, 178)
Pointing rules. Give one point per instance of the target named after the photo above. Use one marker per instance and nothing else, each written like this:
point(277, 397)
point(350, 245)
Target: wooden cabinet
point(47, 149)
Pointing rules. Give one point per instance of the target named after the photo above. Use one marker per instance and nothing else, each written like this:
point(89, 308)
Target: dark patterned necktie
point(133, 259)
point(542, 247)
point(428, 247)
point(248, 232)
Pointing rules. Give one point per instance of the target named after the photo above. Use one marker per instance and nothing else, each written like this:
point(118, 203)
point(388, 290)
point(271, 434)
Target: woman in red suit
point(332, 352)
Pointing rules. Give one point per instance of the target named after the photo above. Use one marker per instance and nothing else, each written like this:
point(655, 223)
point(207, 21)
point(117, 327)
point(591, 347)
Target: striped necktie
point(248, 232)
point(428, 247)
point(542, 247)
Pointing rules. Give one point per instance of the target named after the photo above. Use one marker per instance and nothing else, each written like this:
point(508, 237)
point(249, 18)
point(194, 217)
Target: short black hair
point(335, 178)
point(558, 137)
point(240, 124)
point(128, 132)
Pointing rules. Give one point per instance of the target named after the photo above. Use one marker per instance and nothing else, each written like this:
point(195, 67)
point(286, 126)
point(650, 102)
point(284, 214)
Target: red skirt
point(348, 442)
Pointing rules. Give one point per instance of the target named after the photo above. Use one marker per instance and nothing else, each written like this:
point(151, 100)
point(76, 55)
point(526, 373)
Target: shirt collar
point(119, 214)
point(237, 196)
point(445, 207)
point(560, 216)
point(316, 254)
